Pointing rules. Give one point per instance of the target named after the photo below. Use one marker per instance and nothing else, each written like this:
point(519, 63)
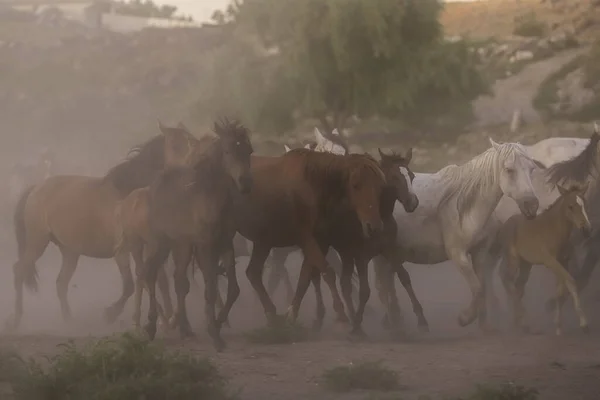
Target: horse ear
point(583, 188)
point(408, 156)
point(539, 164)
point(494, 144)
point(382, 155)
point(562, 190)
point(335, 132)
point(180, 125)
point(287, 149)
point(161, 127)
point(596, 128)
point(318, 135)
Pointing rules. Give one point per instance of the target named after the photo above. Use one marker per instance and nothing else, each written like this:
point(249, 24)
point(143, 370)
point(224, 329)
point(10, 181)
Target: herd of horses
point(202, 201)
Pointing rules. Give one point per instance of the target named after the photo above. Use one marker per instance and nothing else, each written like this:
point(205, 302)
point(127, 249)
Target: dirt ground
point(449, 361)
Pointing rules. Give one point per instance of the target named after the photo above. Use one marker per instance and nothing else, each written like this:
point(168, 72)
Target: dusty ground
point(448, 361)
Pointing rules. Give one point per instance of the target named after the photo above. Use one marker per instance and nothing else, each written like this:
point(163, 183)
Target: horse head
point(515, 168)
point(237, 149)
point(399, 176)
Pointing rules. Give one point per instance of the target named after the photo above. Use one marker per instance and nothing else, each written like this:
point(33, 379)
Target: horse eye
point(510, 171)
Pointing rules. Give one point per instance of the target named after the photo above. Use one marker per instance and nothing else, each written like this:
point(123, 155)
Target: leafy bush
point(507, 391)
point(281, 332)
point(363, 376)
point(528, 25)
point(125, 368)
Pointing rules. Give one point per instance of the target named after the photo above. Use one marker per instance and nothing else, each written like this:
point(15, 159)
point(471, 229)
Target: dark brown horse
point(581, 169)
point(296, 194)
point(77, 213)
point(355, 250)
point(191, 215)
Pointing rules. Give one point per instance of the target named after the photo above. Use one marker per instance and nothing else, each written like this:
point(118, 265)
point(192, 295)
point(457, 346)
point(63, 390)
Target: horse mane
point(577, 168)
point(466, 182)
point(142, 164)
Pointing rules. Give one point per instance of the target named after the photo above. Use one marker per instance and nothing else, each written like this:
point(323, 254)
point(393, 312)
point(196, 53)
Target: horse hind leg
point(123, 262)
point(25, 274)
point(567, 280)
point(69, 264)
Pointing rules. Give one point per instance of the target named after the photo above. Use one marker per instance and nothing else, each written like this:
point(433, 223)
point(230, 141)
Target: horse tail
point(29, 270)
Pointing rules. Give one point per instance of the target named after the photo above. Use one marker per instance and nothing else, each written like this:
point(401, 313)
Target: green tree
point(332, 59)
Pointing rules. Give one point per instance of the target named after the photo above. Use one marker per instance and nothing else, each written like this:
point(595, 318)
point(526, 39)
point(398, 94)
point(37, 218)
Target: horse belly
point(421, 240)
point(78, 213)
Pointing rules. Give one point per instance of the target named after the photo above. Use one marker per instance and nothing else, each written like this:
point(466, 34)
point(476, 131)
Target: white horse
point(456, 204)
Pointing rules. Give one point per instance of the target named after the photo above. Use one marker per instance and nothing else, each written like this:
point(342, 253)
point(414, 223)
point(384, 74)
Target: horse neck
point(387, 201)
point(555, 220)
point(482, 205)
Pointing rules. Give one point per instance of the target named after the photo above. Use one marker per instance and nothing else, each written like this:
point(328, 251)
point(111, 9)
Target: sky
point(200, 10)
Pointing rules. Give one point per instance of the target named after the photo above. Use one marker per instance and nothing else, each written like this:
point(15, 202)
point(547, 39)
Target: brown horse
point(133, 215)
point(77, 213)
point(544, 240)
point(356, 250)
point(191, 215)
point(293, 196)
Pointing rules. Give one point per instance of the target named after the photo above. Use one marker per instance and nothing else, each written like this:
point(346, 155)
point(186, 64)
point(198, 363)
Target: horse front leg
point(396, 261)
point(182, 256)
point(233, 287)
point(320, 305)
point(208, 262)
point(462, 260)
point(363, 296)
point(346, 274)
point(254, 273)
point(315, 255)
point(384, 276)
point(157, 256)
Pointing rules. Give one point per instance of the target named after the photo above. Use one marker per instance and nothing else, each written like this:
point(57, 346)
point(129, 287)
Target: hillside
point(496, 18)
point(91, 94)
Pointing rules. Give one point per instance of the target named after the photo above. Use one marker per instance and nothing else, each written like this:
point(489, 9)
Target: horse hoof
point(357, 334)
point(385, 322)
point(220, 345)
point(317, 325)
point(465, 319)
point(423, 328)
point(150, 331)
point(585, 329)
point(550, 305)
point(111, 314)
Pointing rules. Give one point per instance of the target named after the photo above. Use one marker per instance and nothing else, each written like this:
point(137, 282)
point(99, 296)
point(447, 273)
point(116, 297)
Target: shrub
point(362, 376)
point(528, 25)
point(507, 391)
point(123, 368)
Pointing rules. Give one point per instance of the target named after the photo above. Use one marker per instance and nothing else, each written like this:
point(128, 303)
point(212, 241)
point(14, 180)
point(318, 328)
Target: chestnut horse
point(190, 215)
point(77, 214)
point(295, 195)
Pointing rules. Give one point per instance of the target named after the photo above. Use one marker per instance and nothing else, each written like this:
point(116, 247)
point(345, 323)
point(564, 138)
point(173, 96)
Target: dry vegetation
point(496, 18)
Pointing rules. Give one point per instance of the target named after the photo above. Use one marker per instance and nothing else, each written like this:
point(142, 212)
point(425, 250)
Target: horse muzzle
point(529, 207)
point(586, 230)
point(412, 204)
point(370, 229)
point(245, 184)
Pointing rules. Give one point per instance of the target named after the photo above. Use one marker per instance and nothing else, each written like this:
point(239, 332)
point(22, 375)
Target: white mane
point(466, 182)
point(327, 146)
